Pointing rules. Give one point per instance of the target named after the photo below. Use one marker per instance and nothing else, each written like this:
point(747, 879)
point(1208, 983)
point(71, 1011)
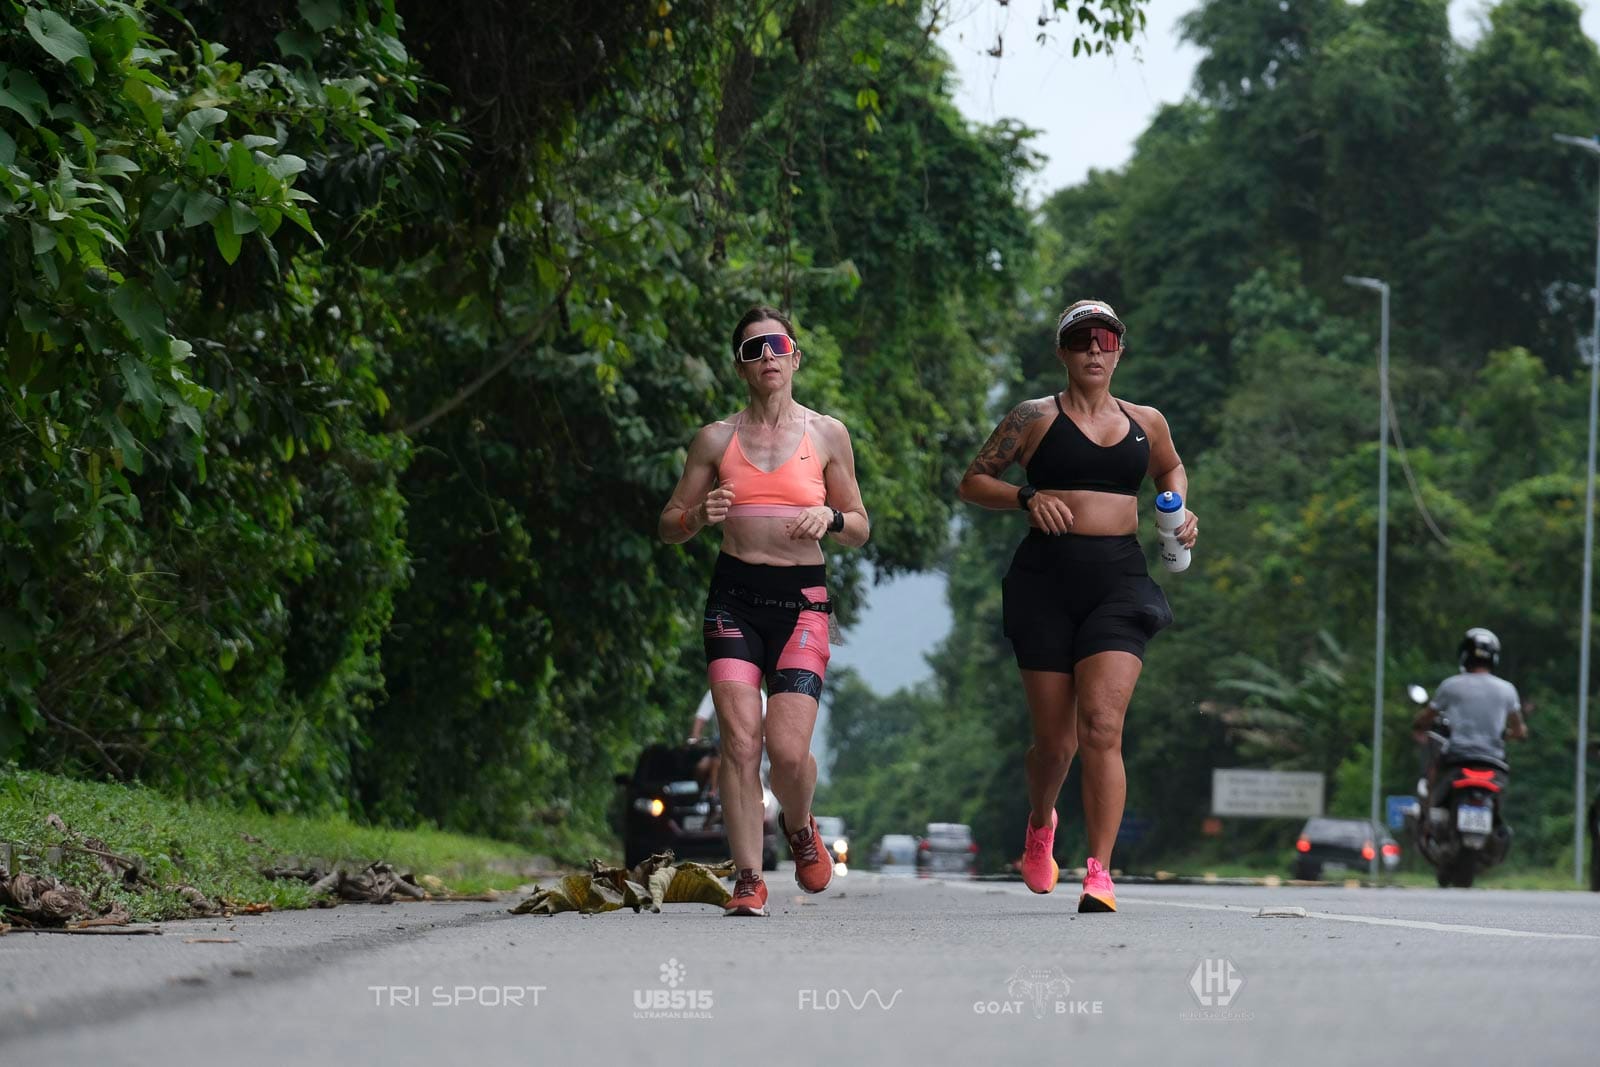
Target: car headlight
point(650, 805)
point(841, 846)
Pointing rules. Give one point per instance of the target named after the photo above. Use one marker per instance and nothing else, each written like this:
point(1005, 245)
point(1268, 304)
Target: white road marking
point(1374, 920)
point(1370, 920)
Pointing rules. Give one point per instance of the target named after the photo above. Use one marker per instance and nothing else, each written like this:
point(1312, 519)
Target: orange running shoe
point(1098, 892)
point(1040, 872)
point(749, 896)
point(813, 863)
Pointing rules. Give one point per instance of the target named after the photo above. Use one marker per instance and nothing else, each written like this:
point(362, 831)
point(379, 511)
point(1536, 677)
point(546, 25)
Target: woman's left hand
point(1189, 532)
point(811, 524)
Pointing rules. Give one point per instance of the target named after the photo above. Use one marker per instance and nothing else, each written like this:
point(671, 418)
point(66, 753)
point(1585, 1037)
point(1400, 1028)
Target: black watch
point(837, 525)
point(1024, 495)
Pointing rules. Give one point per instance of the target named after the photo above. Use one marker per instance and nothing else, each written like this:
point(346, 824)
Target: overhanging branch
point(515, 350)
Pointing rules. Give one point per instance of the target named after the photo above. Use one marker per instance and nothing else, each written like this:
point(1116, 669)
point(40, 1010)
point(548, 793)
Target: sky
point(1088, 112)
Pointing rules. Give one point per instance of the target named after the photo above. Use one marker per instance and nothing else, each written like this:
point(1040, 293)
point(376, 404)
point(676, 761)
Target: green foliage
point(357, 513)
point(1323, 139)
point(198, 526)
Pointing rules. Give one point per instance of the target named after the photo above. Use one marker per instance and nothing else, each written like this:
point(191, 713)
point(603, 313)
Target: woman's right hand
point(714, 508)
point(1050, 514)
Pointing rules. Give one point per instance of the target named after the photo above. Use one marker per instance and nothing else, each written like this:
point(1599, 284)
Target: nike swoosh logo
point(805, 457)
point(1138, 439)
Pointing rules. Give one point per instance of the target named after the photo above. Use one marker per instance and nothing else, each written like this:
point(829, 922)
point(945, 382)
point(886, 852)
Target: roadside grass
point(220, 850)
point(1501, 878)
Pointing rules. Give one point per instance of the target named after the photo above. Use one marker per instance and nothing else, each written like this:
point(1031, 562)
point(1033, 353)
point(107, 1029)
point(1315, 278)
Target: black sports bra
point(1066, 459)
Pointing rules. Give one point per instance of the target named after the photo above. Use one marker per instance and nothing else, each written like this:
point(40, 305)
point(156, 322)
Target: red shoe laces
point(804, 843)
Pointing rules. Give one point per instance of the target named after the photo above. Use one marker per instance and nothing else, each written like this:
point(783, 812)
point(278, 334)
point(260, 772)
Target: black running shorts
point(1070, 596)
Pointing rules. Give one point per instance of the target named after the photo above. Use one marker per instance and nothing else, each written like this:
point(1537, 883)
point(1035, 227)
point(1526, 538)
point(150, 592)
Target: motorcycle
point(1458, 824)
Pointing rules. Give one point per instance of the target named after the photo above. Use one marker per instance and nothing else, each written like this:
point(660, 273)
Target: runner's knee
point(1099, 733)
point(786, 763)
point(1055, 750)
point(741, 751)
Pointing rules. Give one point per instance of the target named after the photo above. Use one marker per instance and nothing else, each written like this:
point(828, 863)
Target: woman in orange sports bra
point(778, 478)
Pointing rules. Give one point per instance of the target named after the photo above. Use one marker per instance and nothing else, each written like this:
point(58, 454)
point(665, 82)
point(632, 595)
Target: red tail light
point(1366, 851)
point(1391, 849)
point(973, 848)
point(1303, 845)
point(924, 845)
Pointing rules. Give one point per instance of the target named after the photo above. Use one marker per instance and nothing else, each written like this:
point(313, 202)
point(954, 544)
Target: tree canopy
point(352, 347)
point(1320, 139)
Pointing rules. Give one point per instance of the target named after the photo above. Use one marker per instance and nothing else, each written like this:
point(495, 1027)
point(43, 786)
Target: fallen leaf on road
point(378, 883)
point(43, 900)
point(656, 881)
point(697, 883)
point(203, 906)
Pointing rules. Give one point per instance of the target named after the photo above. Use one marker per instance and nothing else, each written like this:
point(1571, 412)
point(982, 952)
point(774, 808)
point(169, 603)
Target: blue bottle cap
point(1169, 502)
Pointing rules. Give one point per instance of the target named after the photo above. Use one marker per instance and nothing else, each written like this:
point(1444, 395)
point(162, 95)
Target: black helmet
point(1480, 644)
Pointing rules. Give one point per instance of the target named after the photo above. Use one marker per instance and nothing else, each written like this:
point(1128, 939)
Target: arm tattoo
point(1001, 449)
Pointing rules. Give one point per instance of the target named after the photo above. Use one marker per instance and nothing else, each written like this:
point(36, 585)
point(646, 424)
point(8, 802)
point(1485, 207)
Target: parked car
point(894, 850)
point(947, 848)
point(1327, 846)
point(664, 806)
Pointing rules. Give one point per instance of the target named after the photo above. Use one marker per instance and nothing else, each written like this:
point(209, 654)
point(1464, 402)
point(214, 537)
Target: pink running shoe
point(1040, 872)
point(1098, 892)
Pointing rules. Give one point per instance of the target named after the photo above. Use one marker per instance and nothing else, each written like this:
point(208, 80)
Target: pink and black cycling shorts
point(768, 623)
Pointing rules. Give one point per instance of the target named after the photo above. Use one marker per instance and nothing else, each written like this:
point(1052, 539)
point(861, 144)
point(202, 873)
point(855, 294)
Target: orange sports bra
point(795, 485)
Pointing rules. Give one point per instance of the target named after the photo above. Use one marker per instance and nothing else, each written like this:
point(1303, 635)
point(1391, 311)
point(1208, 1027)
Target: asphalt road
point(876, 970)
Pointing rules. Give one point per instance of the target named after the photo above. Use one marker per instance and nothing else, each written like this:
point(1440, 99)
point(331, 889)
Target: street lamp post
point(1591, 145)
point(1382, 289)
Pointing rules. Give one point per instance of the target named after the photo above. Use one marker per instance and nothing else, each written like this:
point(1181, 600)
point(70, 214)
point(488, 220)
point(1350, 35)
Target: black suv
point(664, 807)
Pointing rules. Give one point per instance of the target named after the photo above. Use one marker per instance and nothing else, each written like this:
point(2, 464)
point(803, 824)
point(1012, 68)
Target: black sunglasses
point(751, 348)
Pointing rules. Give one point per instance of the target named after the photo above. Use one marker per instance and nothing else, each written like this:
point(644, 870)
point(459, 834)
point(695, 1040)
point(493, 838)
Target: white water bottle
point(1169, 516)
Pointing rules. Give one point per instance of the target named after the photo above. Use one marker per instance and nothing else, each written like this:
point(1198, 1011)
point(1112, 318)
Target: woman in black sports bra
point(1080, 604)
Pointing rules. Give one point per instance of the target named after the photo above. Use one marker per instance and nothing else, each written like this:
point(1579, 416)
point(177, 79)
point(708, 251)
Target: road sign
point(1397, 808)
point(1266, 794)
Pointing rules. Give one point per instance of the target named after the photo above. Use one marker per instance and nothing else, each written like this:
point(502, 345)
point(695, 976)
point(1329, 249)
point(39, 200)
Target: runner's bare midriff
point(765, 539)
point(1098, 514)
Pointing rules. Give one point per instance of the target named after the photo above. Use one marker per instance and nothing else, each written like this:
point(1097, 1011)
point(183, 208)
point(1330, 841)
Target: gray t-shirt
point(1477, 706)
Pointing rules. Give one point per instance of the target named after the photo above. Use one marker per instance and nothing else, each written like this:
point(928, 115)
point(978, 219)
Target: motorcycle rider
point(1481, 708)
